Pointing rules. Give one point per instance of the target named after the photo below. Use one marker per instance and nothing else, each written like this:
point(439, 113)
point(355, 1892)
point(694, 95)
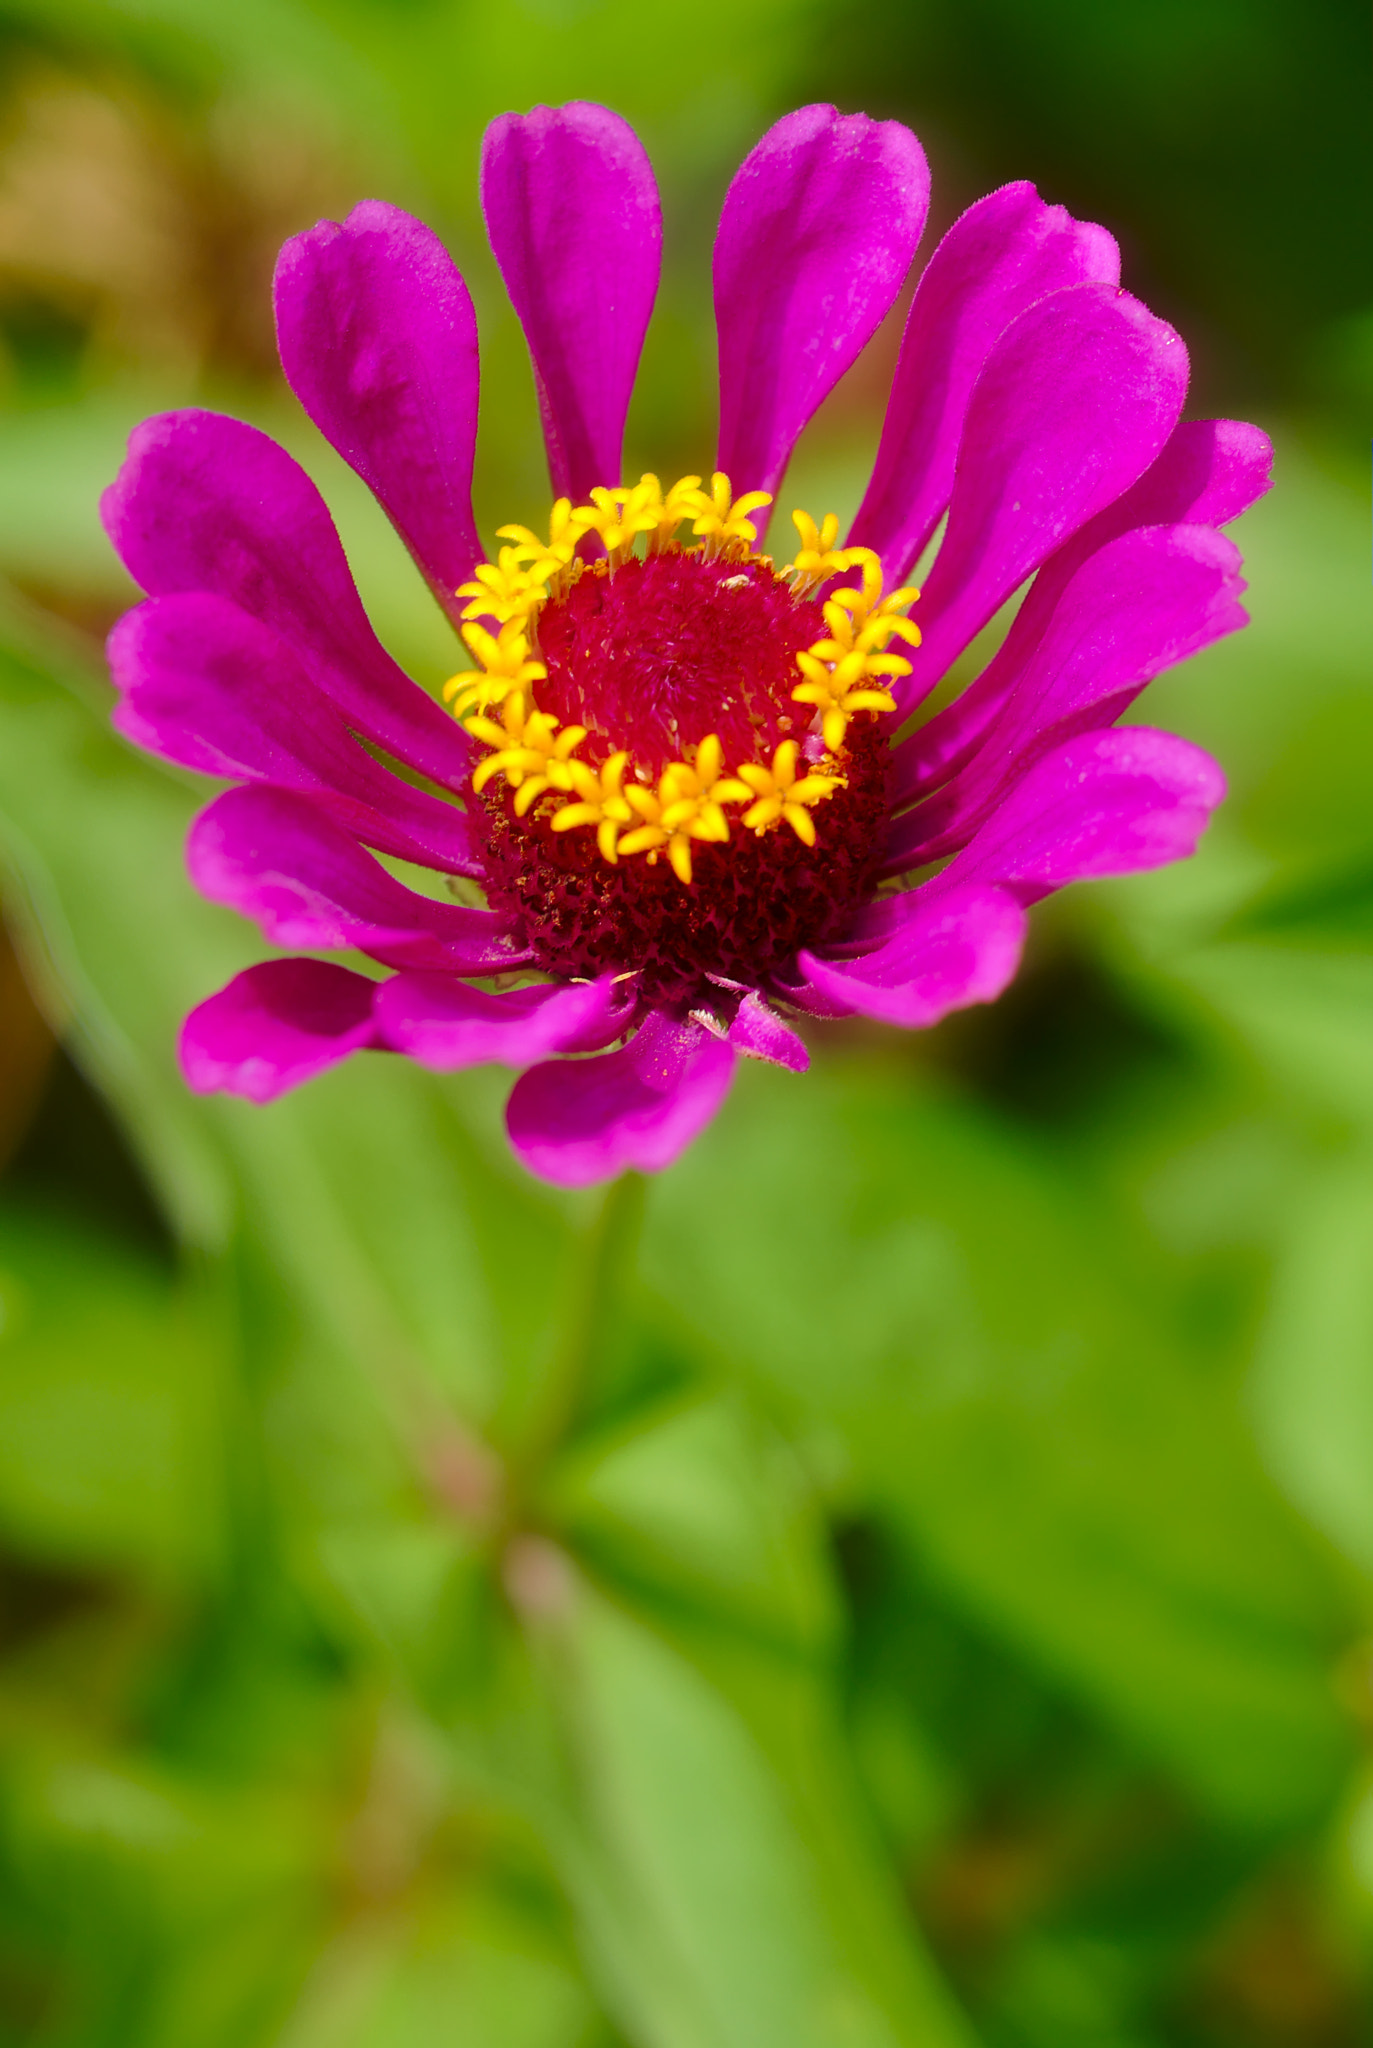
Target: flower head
point(698, 790)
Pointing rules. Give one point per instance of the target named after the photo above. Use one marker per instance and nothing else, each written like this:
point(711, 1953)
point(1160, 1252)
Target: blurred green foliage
point(903, 1579)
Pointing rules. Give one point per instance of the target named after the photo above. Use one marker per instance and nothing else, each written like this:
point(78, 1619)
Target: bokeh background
point(903, 1579)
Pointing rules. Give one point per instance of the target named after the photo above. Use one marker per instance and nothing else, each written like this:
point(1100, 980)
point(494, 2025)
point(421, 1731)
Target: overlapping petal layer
point(998, 258)
point(1208, 472)
point(444, 1024)
point(275, 1026)
point(1075, 400)
point(279, 859)
point(1143, 602)
point(206, 503)
point(942, 952)
point(207, 686)
point(587, 1120)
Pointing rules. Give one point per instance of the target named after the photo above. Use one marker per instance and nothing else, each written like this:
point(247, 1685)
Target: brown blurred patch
point(148, 230)
point(1273, 1976)
point(26, 1051)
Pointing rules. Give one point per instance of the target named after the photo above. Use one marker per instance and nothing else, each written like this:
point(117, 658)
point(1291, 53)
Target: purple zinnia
point(676, 769)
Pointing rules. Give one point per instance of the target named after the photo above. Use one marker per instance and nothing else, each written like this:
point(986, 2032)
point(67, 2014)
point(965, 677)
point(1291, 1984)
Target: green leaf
point(1313, 1385)
point(1305, 1014)
point(728, 1893)
point(699, 1504)
point(1024, 1411)
point(110, 1407)
point(182, 1912)
point(466, 1966)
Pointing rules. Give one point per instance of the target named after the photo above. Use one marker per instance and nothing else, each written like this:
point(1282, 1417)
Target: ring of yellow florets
point(843, 673)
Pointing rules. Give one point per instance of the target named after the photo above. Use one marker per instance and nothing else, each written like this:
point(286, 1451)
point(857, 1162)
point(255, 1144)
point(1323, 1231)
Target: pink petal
point(759, 1033)
point(206, 686)
point(1208, 473)
point(799, 993)
point(1105, 803)
point(444, 1024)
point(276, 857)
point(578, 1121)
point(817, 233)
point(379, 343)
point(572, 212)
point(1076, 399)
point(998, 258)
point(275, 1026)
point(944, 952)
point(206, 503)
point(1143, 602)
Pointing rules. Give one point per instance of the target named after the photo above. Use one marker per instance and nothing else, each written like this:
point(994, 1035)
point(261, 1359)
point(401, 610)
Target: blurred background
point(903, 1579)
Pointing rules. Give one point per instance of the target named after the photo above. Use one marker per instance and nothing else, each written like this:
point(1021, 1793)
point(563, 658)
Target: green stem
point(607, 1245)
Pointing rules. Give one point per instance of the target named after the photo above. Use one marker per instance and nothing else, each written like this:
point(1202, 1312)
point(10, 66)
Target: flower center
point(686, 778)
point(671, 649)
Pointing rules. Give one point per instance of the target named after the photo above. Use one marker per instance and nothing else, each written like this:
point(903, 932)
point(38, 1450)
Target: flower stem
point(607, 1247)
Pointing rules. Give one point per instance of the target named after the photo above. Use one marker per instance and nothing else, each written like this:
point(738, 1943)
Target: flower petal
point(1076, 399)
point(944, 952)
point(379, 343)
point(1105, 803)
point(572, 212)
point(998, 258)
point(441, 1022)
point(795, 989)
point(759, 1033)
point(206, 503)
point(1208, 473)
point(1143, 602)
point(204, 685)
point(579, 1121)
point(275, 1026)
point(276, 857)
point(818, 231)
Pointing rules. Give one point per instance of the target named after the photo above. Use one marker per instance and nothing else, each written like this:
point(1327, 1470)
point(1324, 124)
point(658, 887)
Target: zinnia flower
point(686, 777)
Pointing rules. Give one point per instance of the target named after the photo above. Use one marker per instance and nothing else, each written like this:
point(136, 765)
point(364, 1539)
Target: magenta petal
point(578, 1121)
point(1076, 399)
point(379, 343)
point(1208, 473)
point(817, 233)
point(275, 1026)
point(441, 1022)
point(207, 686)
point(1143, 602)
point(796, 990)
point(277, 858)
point(946, 951)
point(207, 503)
point(759, 1033)
point(572, 212)
point(998, 258)
point(1105, 803)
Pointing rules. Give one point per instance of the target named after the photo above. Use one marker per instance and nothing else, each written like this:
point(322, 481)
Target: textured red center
point(652, 659)
point(670, 649)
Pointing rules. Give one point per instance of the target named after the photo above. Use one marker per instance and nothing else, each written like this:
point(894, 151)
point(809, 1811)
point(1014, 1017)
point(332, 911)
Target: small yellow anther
point(724, 520)
point(844, 673)
point(600, 802)
point(817, 558)
point(779, 793)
